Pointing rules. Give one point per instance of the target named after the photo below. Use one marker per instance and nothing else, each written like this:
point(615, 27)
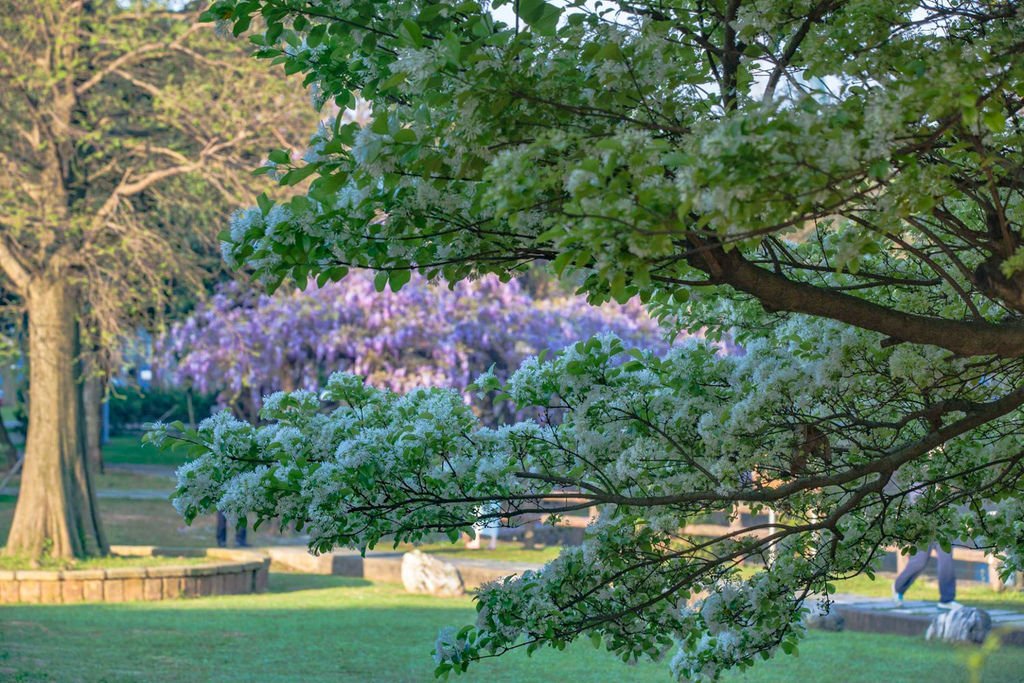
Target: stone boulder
point(821, 619)
point(963, 624)
point(422, 573)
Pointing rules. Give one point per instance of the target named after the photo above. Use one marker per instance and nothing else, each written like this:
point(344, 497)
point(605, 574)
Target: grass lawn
point(112, 562)
point(316, 628)
point(313, 628)
point(129, 449)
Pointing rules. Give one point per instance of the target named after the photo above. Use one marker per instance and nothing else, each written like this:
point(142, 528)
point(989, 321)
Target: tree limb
point(13, 265)
point(776, 292)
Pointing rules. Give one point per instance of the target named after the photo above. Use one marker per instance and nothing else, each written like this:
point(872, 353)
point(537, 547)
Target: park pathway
point(122, 494)
point(127, 494)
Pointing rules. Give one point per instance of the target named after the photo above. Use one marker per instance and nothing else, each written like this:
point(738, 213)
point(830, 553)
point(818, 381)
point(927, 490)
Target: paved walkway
point(123, 494)
point(127, 494)
point(141, 468)
point(883, 615)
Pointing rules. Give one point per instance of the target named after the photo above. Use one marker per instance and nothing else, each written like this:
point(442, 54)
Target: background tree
point(243, 345)
point(839, 182)
point(128, 127)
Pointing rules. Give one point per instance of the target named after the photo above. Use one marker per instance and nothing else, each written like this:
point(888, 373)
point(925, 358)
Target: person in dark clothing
point(222, 532)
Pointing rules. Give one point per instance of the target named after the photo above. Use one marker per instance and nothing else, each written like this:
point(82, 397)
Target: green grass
point(129, 449)
point(329, 628)
point(112, 562)
point(312, 628)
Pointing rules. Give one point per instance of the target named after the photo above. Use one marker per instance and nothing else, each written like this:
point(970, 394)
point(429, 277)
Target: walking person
point(917, 563)
point(222, 532)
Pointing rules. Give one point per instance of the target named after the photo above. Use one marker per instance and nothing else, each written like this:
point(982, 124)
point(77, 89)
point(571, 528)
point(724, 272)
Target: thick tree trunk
point(92, 404)
point(56, 512)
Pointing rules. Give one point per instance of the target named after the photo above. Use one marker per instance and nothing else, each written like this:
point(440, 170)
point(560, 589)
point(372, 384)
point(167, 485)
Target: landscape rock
point(422, 573)
point(963, 624)
point(821, 619)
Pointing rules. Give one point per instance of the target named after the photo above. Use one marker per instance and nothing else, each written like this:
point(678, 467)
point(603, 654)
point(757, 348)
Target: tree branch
point(776, 292)
point(13, 265)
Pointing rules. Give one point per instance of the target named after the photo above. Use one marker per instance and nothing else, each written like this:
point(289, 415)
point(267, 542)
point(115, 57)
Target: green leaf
point(541, 17)
point(274, 32)
point(404, 135)
point(393, 80)
point(265, 203)
point(410, 33)
point(316, 35)
point(279, 156)
point(399, 278)
point(297, 175)
point(995, 120)
point(618, 287)
point(380, 281)
point(610, 51)
point(379, 125)
point(241, 25)
point(324, 188)
point(879, 168)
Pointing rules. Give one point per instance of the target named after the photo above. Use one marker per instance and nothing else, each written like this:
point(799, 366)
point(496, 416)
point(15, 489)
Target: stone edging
point(879, 621)
point(387, 566)
point(228, 572)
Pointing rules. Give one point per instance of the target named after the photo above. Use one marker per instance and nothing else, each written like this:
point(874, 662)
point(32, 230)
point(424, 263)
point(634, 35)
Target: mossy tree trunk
point(56, 512)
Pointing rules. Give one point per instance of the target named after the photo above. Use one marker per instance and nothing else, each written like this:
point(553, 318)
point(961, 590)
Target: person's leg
point(915, 565)
point(947, 576)
point(222, 529)
point(240, 533)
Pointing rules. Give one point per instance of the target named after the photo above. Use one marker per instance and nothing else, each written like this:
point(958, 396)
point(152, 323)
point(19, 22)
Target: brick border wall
point(229, 572)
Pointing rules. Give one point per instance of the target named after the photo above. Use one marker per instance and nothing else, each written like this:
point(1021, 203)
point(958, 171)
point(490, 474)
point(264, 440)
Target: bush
point(131, 407)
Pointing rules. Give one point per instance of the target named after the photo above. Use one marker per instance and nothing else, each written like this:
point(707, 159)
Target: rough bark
point(56, 512)
point(92, 404)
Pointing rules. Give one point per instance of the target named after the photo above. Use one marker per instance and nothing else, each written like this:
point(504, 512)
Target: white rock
point(422, 573)
point(961, 624)
point(822, 619)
